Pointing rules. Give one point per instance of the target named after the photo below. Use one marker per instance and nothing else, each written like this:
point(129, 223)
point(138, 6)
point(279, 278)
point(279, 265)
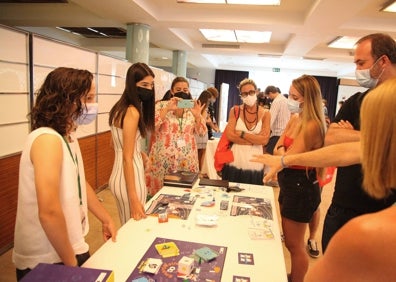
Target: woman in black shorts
point(299, 195)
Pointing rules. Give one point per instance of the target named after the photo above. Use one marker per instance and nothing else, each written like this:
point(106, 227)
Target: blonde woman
point(299, 195)
point(357, 258)
point(248, 129)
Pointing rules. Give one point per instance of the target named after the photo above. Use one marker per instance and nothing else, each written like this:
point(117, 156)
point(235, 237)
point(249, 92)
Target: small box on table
point(185, 265)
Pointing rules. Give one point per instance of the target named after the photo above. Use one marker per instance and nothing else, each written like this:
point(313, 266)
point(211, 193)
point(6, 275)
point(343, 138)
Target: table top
point(240, 234)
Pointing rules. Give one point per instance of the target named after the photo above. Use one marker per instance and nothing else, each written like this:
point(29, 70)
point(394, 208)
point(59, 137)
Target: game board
point(207, 270)
point(242, 205)
point(175, 206)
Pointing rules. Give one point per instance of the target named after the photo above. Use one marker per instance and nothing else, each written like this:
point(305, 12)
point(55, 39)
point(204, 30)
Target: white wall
point(14, 83)
point(48, 54)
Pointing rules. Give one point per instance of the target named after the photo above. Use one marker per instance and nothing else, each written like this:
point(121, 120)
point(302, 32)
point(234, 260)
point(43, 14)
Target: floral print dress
point(173, 145)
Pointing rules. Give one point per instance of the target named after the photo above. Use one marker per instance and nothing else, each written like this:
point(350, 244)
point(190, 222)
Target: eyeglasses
point(245, 94)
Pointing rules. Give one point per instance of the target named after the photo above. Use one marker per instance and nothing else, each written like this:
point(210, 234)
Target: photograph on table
point(242, 205)
point(173, 206)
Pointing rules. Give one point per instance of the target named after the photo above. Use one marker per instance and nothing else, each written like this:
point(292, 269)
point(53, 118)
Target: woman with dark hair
point(53, 194)
point(130, 120)
point(174, 147)
point(180, 86)
point(205, 98)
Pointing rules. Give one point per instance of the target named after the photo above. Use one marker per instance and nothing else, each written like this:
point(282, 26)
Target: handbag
point(223, 152)
point(326, 176)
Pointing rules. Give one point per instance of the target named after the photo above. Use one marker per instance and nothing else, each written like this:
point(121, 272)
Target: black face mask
point(145, 94)
point(182, 95)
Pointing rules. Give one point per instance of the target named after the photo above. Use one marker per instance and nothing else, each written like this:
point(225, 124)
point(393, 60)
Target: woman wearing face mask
point(248, 129)
point(179, 85)
point(131, 119)
point(299, 195)
point(173, 144)
point(53, 195)
point(206, 98)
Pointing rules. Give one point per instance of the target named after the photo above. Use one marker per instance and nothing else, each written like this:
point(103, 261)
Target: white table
point(135, 237)
point(208, 164)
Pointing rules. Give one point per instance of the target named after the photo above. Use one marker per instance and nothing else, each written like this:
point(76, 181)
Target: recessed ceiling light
point(223, 35)
point(254, 2)
point(390, 7)
point(343, 42)
point(239, 2)
point(242, 36)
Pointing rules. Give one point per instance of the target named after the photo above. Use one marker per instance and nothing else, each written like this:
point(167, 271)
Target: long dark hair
point(136, 73)
point(204, 98)
point(58, 101)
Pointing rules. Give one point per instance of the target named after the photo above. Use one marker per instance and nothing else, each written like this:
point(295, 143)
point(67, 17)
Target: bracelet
point(283, 162)
point(242, 134)
point(280, 146)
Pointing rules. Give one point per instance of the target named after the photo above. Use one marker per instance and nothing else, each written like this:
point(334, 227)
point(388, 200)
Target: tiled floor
point(94, 238)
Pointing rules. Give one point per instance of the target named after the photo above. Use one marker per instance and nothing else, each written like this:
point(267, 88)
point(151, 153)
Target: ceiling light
point(242, 36)
point(343, 42)
point(390, 7)
point(240, 2)
point(202, 1)
point(254, 2)
point(223, 35)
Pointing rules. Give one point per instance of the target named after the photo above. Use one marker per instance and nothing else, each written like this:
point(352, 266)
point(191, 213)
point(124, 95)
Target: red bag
point(326, 177)
point(223, 152)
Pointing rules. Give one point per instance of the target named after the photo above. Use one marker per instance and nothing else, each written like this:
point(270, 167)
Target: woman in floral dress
point(174, 146)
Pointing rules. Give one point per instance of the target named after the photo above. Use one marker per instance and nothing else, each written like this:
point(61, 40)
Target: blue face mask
point(294, 106)
point(90, 111)
point(364, 78)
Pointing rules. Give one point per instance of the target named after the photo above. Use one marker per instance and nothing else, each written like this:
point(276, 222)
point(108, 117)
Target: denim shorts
point(299, 195)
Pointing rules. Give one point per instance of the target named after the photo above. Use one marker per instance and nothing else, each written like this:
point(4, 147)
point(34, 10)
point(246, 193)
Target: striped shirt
point(280, 115)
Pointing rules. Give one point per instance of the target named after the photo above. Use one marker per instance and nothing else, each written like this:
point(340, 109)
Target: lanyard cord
point(75, 161)
point(180, 120)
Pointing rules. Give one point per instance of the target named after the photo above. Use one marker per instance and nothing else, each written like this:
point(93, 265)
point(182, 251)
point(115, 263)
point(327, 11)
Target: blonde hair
point(309, 88)
point(378, 139)
point(245, 82)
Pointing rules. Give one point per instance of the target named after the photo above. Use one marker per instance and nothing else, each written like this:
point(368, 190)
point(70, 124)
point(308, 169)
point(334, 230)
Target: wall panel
point(15, 97)
point(51, 53)
point(13, 45)
point(105, 158)
point(13, 77)
point(9, 168)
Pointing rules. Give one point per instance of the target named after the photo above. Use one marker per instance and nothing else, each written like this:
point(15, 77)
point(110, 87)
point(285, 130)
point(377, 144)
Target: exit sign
point(275, 69)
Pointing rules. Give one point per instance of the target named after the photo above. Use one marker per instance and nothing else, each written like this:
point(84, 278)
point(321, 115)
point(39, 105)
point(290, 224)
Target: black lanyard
point(75, 161)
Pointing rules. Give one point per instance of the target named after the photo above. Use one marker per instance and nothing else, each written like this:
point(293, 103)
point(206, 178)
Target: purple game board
point(208, 271)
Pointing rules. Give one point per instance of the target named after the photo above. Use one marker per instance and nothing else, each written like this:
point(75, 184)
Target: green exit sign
point(276, 69)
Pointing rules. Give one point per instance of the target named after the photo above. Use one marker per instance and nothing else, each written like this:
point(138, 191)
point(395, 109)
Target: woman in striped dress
point(131, 119)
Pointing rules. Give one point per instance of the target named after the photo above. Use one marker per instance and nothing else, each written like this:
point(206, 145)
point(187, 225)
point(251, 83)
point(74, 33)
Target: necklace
point(251, 122)
point(245, 108)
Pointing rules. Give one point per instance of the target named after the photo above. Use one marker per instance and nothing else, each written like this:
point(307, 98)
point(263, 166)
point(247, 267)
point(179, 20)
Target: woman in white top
point(53, 195)
point(249, 130)
point(131, 119)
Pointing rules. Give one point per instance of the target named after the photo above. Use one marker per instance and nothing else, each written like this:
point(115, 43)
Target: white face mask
point(89, 114)
point(249, 100)
point(364, 78)
point(294, 106)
